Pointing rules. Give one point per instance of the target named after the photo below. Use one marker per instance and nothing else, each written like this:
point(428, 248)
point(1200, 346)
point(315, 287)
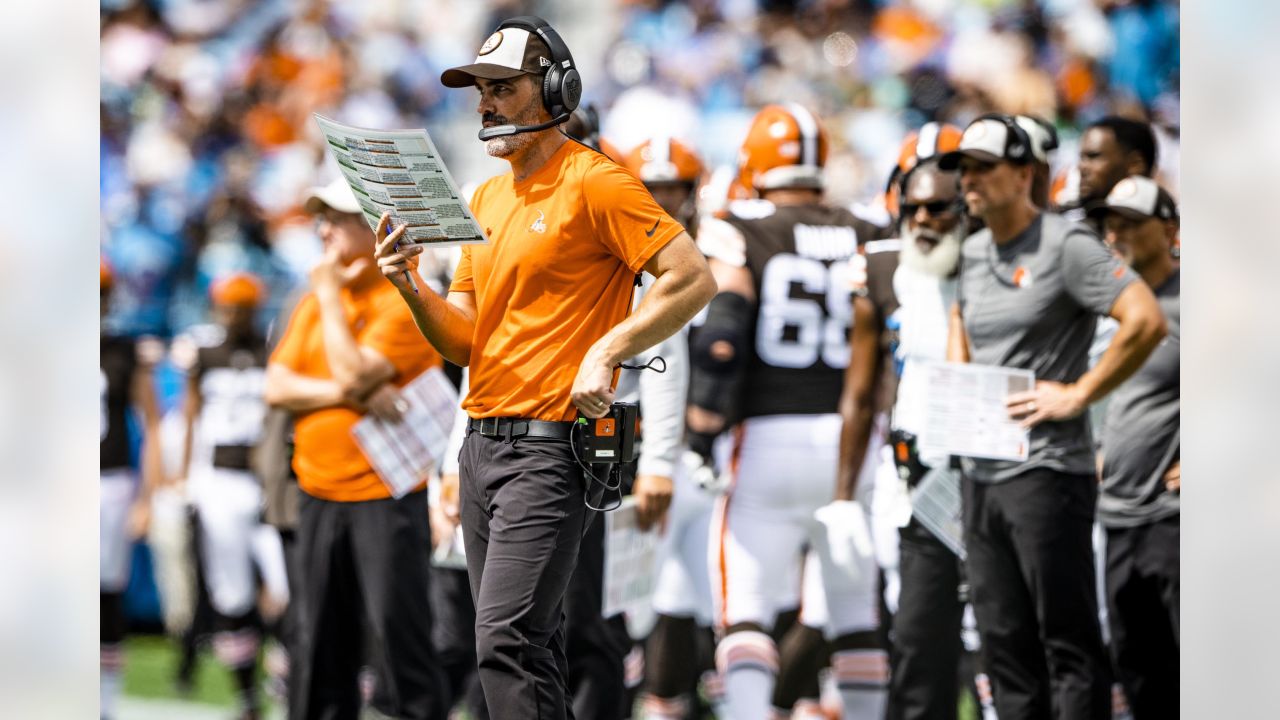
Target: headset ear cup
point(551, 91)
point(569, 91)
point(1018, 143)
point(1019, 140)
point(561, 87)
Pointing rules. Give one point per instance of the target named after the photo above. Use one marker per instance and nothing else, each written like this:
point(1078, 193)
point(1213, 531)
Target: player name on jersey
point(825, 242)
point(799, 260)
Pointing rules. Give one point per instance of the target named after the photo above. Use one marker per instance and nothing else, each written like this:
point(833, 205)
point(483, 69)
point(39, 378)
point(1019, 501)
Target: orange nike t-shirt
point(329, 463)
point(565, 245)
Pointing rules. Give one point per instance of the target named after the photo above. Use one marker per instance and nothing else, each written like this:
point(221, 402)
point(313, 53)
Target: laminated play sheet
point(401, 172)
point(966, 415)
point(405, 453)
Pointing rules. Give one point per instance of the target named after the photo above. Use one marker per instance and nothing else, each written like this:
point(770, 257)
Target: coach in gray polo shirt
point(1142, 467)
point(1032, 285)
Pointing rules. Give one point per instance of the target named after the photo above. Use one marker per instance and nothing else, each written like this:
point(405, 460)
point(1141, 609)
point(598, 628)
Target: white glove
point(846, 540)
point(703, 475)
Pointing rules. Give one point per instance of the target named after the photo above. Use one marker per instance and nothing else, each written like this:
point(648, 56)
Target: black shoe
point(184, 686)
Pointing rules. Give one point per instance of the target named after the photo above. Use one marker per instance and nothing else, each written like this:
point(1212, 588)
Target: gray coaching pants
point(523, 519)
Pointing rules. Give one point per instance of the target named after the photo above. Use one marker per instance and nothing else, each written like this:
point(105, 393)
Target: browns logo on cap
point(492, 43)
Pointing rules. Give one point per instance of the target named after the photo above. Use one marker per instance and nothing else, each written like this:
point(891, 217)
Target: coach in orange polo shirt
point(540, 316)
point(363, 556)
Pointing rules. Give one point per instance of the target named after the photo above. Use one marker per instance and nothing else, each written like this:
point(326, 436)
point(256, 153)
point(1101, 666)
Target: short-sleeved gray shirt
point(1142, 434)
point(1033, 304)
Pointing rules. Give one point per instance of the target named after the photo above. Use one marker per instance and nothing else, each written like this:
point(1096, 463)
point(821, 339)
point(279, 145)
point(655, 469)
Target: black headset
point(561, 85)
point(1051, 142)
point(1017, 143)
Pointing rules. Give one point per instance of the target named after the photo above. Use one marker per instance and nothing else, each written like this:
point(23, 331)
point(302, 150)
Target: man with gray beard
point(900, 322)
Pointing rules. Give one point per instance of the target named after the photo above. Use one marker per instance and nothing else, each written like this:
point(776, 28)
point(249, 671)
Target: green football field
point(150, 694)
point(151, 663)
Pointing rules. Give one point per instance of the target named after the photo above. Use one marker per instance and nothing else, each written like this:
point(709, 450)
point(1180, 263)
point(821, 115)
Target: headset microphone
point(497, 131)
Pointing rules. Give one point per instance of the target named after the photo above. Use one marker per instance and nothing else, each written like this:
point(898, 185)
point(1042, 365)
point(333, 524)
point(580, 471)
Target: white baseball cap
point(990, 139)
point(337, 195)
point(509, 52)
point(1140, 198)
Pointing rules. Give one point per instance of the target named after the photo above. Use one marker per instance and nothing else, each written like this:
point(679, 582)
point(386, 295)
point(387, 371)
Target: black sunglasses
point(937, 207)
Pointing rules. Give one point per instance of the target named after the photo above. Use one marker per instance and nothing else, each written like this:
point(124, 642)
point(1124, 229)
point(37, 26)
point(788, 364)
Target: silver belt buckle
point(489, 426)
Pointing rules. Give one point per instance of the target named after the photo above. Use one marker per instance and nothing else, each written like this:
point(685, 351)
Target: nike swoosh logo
point(652, 230)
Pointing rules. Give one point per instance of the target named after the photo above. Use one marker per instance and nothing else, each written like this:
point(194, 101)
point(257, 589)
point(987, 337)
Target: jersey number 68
point(822, 328)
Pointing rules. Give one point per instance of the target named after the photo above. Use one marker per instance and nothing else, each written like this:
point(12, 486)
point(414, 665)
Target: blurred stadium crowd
point(207, 141)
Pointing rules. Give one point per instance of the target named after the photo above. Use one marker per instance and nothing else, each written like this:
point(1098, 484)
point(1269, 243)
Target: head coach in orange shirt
point(362, 555)
point(540, 315)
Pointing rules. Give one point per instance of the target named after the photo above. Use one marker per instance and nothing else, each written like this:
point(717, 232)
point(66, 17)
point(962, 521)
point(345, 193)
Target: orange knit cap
point(105, 276)
point(239, 288)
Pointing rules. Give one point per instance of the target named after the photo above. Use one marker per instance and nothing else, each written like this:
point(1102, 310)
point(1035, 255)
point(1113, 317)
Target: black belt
point(509, 427)
point(232, 457)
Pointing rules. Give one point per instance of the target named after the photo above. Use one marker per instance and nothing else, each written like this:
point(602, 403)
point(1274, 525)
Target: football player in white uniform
point(772, 354)
point(225, 410)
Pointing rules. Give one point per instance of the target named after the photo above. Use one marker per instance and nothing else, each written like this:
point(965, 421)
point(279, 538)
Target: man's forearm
point(190, 409)
point(855, 435)
point(299, 393)
point(1133, 342)
point(857, 401)
point(152, 462)
point(448, 328)
point(957, 340)
point(143, 396)
point(350, 367)
point(676, 296)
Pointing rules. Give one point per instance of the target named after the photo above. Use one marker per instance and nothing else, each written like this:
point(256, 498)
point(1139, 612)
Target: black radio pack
point(609, 439)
